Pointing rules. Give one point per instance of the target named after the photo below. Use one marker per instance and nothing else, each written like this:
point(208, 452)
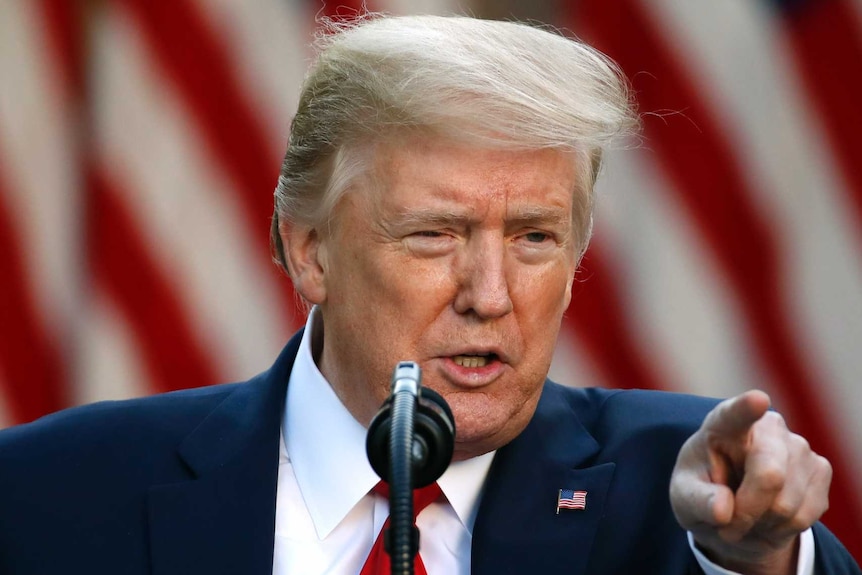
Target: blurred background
point(140, 143)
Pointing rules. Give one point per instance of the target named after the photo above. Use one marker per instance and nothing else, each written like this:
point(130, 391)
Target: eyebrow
point(432, 216)
point(547, 215)
point(541, 214)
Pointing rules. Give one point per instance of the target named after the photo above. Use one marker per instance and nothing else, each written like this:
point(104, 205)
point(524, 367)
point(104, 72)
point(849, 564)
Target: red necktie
point(378, 560)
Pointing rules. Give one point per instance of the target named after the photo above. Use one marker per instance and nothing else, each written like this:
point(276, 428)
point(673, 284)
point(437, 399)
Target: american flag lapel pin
point(571, 499)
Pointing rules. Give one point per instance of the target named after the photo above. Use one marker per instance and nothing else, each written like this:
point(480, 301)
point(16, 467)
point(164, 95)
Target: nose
point(484, 286)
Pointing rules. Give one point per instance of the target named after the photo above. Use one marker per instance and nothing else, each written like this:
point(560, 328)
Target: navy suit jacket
point(185, 483)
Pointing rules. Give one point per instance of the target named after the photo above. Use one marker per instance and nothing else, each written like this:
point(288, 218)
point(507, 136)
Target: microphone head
point(433, 443)
point(435, 425)
point(431, 402)
point(407, 374)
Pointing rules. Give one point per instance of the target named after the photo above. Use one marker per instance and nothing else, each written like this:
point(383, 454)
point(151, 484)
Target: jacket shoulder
point(634, 411)
point(169, 414)
point(831, 557)
point(108, 446)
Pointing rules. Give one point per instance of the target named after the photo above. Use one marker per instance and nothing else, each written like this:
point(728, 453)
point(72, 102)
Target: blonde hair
point(492, 83)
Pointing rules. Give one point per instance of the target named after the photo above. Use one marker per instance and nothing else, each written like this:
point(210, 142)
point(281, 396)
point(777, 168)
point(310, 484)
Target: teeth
point(471, 360)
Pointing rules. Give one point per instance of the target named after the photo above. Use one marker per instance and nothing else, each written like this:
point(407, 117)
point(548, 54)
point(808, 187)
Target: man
point(433, 204)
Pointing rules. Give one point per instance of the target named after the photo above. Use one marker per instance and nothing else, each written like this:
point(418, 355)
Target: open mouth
point(474, 360)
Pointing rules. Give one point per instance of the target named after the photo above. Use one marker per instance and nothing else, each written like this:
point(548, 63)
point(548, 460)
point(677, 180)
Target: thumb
point(698, 502)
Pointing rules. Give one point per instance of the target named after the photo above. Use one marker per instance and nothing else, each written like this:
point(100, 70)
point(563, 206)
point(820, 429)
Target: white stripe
point(443, 7)
point(38, 153)
point(783, 149)
point(269, 47)
point(109, 363)
point(186, 210)
point(572, 365)
point(683, 313)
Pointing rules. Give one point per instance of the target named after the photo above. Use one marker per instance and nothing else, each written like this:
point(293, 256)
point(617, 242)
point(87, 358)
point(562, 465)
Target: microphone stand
point(409, 444)
point(403, 535)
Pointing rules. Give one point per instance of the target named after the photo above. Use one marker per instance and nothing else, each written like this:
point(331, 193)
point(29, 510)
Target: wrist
point(783, 561)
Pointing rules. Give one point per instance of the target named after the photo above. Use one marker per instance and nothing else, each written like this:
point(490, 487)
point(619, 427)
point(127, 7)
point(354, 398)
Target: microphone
point(433, 438)
point(409, 444)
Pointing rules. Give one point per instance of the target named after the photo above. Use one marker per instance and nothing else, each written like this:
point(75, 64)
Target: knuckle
point(799, 443)
point(771, 477)
point(797, 524)
point(824, 466)
point(784, 509)
point(775, 419)
point(821, 478)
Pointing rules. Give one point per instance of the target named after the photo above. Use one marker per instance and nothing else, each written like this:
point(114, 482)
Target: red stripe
point(33, 374)
point(62, 20)
point(699, 161)
point(826, 40)
point(343, 10)
point(597, 316)
point(128, 274)
point(34, 371)
point(190, 54)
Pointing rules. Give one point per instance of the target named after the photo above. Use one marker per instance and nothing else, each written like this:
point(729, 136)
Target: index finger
point(734, 417)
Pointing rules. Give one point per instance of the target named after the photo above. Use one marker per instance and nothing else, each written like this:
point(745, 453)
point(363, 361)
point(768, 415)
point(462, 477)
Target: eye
point(537, 237)
point(430, 243)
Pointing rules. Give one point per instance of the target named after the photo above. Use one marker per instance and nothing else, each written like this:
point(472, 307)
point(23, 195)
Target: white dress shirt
point(327, 518)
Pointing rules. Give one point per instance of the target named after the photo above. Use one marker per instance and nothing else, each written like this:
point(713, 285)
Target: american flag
point(571, 499)
point(140, 143)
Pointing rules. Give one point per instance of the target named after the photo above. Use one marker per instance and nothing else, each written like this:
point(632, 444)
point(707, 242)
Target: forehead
point(426, 169)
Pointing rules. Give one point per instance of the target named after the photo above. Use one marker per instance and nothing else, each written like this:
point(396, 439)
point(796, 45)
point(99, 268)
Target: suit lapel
point(222, 520)
point(518, 529)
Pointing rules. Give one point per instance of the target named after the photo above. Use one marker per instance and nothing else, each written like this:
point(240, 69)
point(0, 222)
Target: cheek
point(358, 275)
point(543, 293)
point(393, 300)
point(414, 289)
point(540, 303)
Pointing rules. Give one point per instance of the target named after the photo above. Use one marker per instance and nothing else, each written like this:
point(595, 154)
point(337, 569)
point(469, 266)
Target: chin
point(483, 417)
point(472, 440)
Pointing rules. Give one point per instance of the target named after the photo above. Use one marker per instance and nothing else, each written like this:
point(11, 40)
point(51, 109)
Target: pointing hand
point(746, 487)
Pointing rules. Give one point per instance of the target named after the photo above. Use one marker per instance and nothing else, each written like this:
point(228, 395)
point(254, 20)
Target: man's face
point(461, 259)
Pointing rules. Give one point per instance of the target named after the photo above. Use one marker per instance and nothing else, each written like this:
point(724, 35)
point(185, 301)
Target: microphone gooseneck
point(409, 444)
point(403, 544)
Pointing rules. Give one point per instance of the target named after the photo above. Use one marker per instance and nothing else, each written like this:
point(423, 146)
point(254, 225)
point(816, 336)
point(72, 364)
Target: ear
point(305, 256)
point(573, 273)
point(567, 298)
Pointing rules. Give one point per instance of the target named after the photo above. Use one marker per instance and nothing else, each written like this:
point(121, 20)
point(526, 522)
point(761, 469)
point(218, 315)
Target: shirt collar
point(326, 448)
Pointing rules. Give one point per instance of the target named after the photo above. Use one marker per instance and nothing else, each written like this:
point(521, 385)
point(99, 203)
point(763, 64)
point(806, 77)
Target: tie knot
point(422, 497)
